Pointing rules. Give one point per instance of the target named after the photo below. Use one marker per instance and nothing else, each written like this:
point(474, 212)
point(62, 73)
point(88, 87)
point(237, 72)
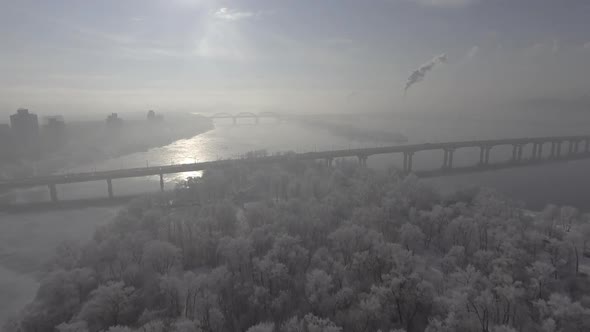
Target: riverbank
point(91, 142)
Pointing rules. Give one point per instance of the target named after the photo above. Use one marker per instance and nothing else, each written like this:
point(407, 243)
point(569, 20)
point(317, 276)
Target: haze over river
point(28, 240)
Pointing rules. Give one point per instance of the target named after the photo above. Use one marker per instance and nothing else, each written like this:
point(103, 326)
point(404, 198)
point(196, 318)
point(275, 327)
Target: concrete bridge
point(246, 115)
point(557, 149)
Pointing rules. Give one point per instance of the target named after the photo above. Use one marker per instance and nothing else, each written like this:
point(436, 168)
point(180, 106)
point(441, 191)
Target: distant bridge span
point(246, 115)
point(578, 147)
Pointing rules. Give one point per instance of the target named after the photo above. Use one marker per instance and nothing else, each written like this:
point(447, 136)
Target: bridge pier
point(405, 167)
point(329, 162)
point(482, 154)
point(257, 119)
point(451, 154)
point(556, 149)
point(362, 160)
point(408, 161)
point(574, 146)
point(516, 152)
point(571, 145)
point(162, 182)
point(539, 154)
point(110, 188)
point(587, 146)
point(448, 158)
point(53, 193)
point(538, 151)
point(235, 120)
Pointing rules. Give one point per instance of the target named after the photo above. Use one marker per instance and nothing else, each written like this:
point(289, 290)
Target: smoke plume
point(419, 74)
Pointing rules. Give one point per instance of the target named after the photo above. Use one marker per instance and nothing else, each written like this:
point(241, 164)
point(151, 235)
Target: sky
point(97, 57)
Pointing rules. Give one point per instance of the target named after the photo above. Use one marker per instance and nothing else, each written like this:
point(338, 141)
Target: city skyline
point(294, 165)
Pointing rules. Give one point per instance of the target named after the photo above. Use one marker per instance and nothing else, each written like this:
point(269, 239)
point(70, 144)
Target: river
point(28, 240)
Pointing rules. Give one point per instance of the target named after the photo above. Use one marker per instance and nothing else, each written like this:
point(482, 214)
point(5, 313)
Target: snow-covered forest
point(305, 247)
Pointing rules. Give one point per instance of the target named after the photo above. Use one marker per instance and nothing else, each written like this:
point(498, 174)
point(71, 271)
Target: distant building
point(25, 132)
point(7, 148)
point(153, 117)
point(114, 121)
point(54, 133)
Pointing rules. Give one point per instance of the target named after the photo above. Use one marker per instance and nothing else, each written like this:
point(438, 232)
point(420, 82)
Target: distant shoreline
point(346, 129)
point(90, 143)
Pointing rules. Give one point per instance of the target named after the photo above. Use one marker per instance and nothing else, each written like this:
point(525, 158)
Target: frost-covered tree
point(110, 305)
point(160, 256)
point(301, 247)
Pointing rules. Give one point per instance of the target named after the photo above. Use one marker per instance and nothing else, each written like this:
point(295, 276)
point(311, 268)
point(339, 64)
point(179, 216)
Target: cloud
point(232, 15)
point(419, 74)
point(473, 52)
point(445, 3)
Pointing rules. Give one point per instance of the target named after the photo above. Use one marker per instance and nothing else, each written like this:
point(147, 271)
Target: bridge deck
point(364, 152)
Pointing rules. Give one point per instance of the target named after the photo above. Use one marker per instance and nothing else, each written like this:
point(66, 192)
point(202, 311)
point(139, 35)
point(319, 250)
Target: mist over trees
point(305, 247)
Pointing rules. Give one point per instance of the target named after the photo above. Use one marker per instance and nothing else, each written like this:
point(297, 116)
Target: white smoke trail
point(419, 74)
